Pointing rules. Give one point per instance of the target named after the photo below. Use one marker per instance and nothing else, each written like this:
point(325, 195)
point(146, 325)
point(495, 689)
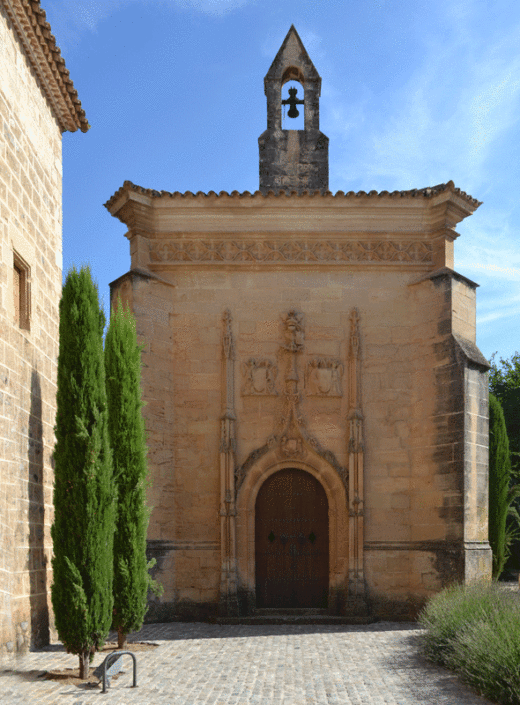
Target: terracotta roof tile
point(427, 192)
point(34, 32)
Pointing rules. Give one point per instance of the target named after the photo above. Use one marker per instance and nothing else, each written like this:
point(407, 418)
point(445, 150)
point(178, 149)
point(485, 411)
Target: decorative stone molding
point(316, 250)
point(356, 458)
point(324, 375)
point(335, 490)
point(259, 377)
point(228, 583)
point(291, 439)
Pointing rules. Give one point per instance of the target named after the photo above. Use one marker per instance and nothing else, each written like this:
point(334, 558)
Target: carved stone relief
point(324, 376)
point(293, 333)
point(356, 464)
point(227, 512)
point(259, 377)
point(291, 438)
point(222, 250)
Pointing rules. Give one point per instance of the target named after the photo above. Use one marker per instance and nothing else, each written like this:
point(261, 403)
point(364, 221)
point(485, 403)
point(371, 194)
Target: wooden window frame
point(23, 292)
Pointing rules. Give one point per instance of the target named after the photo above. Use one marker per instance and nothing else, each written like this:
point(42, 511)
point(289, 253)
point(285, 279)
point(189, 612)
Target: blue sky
point(414, 94)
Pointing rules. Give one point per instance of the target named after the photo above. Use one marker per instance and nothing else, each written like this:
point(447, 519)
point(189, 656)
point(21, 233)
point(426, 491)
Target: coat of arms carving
point(259, 377)
point(324, 376)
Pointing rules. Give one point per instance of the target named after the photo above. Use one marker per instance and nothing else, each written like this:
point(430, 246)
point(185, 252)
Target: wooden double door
point(292, 541)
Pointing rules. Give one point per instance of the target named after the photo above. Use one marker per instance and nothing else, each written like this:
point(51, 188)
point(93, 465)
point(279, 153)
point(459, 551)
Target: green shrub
point(447, 613)
point(486, 652)
point(475, 631)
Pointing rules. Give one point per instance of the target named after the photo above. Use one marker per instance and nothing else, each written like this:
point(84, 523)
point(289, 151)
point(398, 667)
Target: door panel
point(292, 541)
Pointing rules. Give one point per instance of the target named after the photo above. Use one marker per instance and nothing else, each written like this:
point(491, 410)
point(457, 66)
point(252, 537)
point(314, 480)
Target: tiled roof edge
point(34, 32)
point(427, 192)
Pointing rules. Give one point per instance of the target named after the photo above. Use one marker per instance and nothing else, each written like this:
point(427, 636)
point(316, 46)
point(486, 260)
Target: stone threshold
point(297, 616)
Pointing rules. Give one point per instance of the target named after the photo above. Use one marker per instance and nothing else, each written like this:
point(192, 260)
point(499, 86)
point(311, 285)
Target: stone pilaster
point(228, 580)
point(356, 587)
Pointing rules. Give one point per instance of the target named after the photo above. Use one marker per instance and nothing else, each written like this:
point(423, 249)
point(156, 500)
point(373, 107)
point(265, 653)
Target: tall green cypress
point(128, 441)
point(84, 506)
point(501, 495)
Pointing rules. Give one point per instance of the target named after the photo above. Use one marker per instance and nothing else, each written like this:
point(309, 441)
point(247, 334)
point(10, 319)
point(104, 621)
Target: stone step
point(299, 616)
point(295, 619)
point(275, 611)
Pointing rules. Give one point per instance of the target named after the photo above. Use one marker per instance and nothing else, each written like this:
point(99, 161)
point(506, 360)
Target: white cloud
point(87, 14)
point(211, 7)
point(444, 121)
point(501, 311)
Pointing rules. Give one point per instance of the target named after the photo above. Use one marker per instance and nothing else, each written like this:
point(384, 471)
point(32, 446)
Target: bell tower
point(293, 160)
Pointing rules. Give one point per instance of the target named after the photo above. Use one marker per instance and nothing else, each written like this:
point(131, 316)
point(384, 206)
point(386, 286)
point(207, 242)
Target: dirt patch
point(131, 646)
point(70, 676)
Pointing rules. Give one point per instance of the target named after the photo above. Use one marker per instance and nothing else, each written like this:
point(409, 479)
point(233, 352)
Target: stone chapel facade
point(316, 403)
point(38, 103)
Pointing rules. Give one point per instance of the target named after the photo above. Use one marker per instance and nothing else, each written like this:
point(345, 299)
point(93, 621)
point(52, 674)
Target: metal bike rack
point(112, 665)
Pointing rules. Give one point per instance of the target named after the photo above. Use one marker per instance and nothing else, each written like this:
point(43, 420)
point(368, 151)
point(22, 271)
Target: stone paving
point(198, 663)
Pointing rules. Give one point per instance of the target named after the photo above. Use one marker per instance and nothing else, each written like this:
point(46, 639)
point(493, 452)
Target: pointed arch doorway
point(292, 541)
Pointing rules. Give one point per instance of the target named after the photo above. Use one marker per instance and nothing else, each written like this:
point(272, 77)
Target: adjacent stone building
point(37, 103)
point(316, 403)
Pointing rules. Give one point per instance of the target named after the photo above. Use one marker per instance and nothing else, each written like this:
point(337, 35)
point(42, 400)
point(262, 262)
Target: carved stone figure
point(259, 377)
point(293, 333)
point(324, 377)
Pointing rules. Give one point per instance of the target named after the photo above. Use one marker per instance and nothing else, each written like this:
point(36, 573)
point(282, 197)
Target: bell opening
point(293, 111)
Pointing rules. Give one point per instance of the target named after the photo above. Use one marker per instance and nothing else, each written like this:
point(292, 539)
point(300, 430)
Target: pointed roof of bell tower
point(292, 54)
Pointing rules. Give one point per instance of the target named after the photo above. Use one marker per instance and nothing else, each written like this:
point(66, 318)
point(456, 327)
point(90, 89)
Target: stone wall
point(30, 230)
point(416, 385)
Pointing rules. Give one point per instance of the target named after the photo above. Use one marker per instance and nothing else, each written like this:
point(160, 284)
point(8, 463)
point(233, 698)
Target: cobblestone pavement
point(200, 663)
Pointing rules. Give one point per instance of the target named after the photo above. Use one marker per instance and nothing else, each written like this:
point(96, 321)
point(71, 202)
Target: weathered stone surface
point(33, 112)
point(293, 160)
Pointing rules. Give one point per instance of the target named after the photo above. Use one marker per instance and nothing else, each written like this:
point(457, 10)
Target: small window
point(21, 292)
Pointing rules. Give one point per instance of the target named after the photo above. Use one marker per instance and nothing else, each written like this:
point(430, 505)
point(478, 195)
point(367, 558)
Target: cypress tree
point(84, 506)
point(501, 495)
point(128, 441)
point(504, 382)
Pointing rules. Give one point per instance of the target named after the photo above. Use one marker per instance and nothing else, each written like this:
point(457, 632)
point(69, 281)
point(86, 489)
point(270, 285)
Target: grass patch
point(475, 631)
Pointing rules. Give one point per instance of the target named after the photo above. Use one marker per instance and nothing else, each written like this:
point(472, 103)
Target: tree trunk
point(121, 639)
point(84, 664)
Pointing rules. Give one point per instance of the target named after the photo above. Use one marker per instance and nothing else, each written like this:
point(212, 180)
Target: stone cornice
point(34, 32)
point(156, 213)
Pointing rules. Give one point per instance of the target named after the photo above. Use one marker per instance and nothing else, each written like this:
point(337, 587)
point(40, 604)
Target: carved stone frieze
point(242, 252)
point(324, 376)
point(259, 377)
